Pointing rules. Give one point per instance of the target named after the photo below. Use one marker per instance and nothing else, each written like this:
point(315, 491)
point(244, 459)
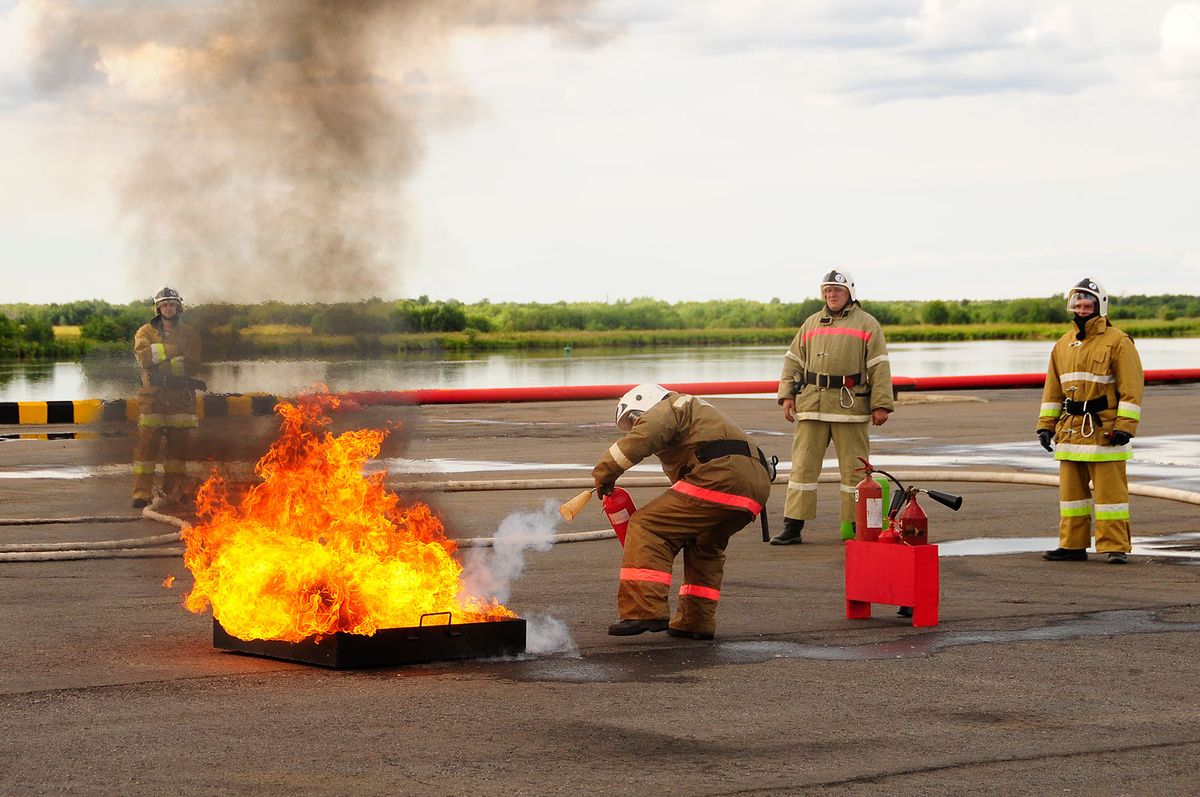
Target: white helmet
point(841, 279)
point(1089, 286)
point(167, 295)
point(636, 401)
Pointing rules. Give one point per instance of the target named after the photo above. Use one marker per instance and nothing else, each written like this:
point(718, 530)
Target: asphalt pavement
point(1046, 678)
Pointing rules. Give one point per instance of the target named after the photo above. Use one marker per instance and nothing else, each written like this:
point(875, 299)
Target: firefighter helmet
point(1095, 289)
point(641, 398)
point(840, 279)
point(167, 295)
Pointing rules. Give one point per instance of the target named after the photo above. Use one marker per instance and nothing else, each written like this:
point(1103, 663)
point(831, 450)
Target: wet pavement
point(612, 668)
point(1042, 677)
point(1182, 546)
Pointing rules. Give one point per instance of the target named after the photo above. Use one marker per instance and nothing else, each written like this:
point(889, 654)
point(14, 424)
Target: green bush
point(36, 329)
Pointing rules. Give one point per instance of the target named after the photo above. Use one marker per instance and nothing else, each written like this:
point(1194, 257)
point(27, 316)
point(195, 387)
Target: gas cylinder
point(914, 524)
point(868, 509)
point(618, 506)
point(889, 536)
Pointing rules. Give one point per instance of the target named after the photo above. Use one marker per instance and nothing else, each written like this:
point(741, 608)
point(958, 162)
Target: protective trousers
point(809, 443)
point(657, 532)
point(1108, 502)
point(146, 458)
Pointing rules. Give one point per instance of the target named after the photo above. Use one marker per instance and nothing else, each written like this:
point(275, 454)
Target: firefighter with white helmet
point(836, 380)
point(721, 482)
point(1091, 406)
point(168, 352)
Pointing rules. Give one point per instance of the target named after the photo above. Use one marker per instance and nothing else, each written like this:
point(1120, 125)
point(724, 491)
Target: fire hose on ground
point(149, 546)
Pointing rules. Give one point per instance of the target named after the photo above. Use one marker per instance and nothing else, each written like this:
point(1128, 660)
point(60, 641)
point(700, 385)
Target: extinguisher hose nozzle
point(572, 508)
point(946, 499)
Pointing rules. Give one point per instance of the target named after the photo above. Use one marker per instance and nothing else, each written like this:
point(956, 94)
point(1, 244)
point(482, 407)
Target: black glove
point(1120, 438)
point(1044, 437)
point(605, 490)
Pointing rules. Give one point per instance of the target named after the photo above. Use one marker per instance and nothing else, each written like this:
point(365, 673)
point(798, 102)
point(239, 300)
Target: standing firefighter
point(836, 378)
point(168, 352)
point(721, 482)
point(1090, 410)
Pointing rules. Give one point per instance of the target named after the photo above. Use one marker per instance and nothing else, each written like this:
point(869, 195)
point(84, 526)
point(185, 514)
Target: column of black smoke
point(274, 156)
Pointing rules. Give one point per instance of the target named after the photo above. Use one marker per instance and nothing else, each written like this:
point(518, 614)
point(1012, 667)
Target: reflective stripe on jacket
point(850, 342)
point(162, 353)
point(674, 429)
point(1104, 365)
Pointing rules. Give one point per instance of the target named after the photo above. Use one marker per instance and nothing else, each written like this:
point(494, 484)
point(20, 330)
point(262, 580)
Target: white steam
point(490, 572)
point(546, 634)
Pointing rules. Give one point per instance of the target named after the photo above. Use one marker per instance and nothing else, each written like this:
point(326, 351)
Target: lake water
point(109, 378)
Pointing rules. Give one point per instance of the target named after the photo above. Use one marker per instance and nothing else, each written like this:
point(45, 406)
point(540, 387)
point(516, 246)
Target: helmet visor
point(1083, 303)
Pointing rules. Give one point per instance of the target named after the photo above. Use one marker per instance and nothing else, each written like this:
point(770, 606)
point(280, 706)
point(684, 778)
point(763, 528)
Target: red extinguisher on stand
point(913, 522)
point(905, 521)
point(870, 498)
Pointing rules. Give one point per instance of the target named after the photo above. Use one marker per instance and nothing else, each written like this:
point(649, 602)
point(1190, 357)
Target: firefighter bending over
point(1090, 410)
point(721, 483)
point(168, 352)
point(836, 378)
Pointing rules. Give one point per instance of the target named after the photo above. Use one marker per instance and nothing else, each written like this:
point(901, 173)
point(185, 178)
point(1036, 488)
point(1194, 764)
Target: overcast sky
point(693, 149)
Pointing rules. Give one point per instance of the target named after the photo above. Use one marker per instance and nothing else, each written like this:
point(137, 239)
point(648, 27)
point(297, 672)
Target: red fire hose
point(900, 384)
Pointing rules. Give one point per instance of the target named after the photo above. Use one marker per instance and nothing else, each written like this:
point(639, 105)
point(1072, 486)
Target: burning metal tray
point(388, 647)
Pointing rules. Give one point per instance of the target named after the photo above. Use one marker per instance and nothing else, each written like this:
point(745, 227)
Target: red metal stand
point(894, 574)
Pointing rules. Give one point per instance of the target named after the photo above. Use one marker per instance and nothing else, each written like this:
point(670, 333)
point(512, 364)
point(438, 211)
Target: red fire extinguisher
point(868, 509)
point(618, 506)
point(914, 523)
point(870, 504)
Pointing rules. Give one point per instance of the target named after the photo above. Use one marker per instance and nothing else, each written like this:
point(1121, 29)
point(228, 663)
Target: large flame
point(317, 546)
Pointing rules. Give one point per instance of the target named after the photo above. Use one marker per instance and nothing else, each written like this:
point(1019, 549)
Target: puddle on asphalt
point(1182, 546)
point(68, 473)
point(1157, 458)
point(658, 665)
point(1171, 457)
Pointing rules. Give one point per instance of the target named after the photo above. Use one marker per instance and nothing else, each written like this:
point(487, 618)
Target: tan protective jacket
point(162, 354)
point(674, 429)
point(841, 345)
point(1105, 364)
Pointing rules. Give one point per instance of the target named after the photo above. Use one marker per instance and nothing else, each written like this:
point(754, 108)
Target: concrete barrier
point(40, 413)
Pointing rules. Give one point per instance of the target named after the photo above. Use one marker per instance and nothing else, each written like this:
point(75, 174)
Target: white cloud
point(731, 148)
point(15, 23)
point(1180, 36)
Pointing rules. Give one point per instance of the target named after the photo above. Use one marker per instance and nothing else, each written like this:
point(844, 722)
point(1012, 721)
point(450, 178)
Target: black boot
point(685, 634)
point(633, 627)
point(790, 534)
point(1066, 555)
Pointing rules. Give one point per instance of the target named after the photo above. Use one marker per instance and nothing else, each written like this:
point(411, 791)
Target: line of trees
point(27, 330)
point(30, 336)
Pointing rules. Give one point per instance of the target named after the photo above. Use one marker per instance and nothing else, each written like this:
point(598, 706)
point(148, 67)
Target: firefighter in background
point(836, 378)
point(168, 352)
point(1091, 406)
point(721, 482)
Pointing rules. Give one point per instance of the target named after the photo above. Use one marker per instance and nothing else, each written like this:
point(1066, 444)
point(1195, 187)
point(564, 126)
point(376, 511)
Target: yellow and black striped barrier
point(57, 436)
point(31, 413)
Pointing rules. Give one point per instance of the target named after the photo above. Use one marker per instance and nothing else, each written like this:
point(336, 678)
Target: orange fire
point(318, 547)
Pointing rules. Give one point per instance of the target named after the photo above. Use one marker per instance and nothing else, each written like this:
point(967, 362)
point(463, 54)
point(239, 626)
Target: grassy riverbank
point(284, 340)
point(377, 328)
